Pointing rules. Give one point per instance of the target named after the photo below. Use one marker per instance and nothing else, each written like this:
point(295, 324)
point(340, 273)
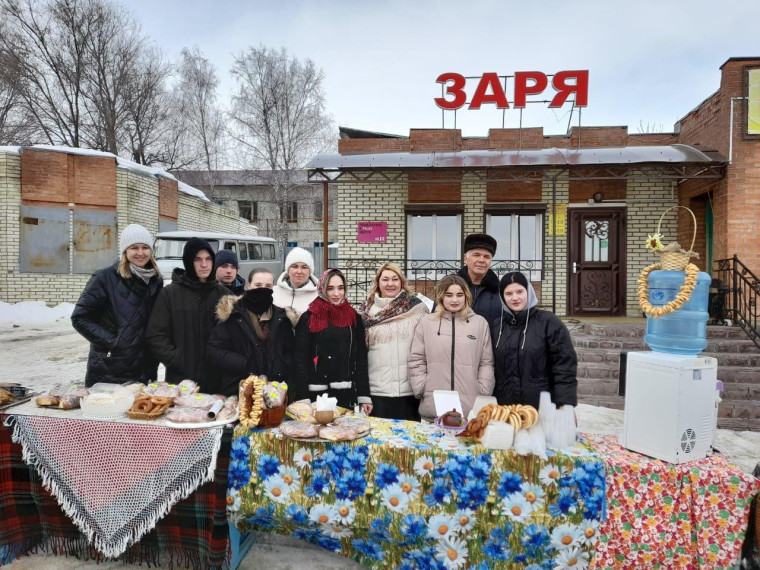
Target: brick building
point(572, 211)
point(61, 212)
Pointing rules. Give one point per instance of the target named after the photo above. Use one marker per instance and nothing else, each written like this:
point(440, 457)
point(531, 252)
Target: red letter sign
point(580, 88)
point(522, 89)
point(497, 94)
point(456, 89)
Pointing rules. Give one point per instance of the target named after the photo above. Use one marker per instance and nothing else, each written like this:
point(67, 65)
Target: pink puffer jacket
point(434, 359)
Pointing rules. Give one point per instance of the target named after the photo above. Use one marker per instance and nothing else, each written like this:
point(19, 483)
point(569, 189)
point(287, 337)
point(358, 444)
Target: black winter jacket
point(237, 287)
point(235, 351)
point(180, 326)
point(547, 362)
point(486, 303)
point(113, 313)
point(341, 363)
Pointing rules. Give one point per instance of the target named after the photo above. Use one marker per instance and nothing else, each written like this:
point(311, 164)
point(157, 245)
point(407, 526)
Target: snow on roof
point(210, 235)
point(187, 189)
point(120, 162)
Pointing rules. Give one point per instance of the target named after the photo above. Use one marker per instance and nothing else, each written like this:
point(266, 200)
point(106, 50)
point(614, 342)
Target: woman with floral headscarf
point(331, 354)
point(390, 315)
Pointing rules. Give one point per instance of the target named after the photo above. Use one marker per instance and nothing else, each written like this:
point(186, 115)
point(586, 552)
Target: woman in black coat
point(114, 309)
point(533, 352)
point(252, 337)
point(331, 352)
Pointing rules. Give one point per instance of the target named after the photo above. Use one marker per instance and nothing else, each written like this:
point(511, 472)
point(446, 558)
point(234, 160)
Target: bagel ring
point(525, 417)
point(161, 400)
point(143, 406)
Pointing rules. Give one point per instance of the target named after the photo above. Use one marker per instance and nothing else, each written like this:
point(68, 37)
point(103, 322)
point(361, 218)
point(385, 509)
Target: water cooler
point(671, 405)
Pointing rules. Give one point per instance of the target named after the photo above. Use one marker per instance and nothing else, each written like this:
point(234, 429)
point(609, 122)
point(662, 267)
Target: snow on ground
point(43, 350)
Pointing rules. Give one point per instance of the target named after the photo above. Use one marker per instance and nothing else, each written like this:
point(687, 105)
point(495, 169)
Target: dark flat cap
point(480, 241)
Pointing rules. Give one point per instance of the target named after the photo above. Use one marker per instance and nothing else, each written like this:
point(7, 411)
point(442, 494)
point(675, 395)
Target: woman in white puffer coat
point(390, 315)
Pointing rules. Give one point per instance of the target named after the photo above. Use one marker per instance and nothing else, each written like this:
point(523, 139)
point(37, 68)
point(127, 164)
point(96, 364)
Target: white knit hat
point(132, 234)
point(299, 255)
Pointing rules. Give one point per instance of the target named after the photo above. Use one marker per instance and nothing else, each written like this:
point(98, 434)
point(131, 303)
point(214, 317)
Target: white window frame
point(434, 257)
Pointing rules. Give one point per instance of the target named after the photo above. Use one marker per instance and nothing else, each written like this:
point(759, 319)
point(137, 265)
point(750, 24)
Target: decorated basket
point(673, 258)
point(272, 417)
point(154, 414)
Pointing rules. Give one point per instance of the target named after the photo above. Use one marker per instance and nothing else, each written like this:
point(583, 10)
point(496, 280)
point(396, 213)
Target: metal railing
point(422, 274)
point(743, 295)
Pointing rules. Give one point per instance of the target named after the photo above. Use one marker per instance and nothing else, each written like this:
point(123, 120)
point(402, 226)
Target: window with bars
point(318, 206)
point(519, 235)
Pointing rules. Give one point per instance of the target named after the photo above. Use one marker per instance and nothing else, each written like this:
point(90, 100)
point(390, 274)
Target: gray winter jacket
point(451, 354)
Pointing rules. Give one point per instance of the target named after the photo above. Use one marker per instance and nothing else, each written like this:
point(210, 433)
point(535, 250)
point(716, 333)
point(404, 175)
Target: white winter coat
point(388, 345)
point(294, 301)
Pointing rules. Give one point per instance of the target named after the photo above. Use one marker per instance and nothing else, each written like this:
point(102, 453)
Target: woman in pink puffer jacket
point(451, 350)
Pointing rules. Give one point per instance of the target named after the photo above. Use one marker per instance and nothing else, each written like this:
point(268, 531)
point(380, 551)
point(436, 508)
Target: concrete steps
point(598, 346)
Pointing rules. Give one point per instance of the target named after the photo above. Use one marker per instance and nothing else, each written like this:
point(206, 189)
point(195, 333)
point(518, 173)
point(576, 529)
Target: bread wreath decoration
point(674, 258)
point(251, 401)
point(517, 415)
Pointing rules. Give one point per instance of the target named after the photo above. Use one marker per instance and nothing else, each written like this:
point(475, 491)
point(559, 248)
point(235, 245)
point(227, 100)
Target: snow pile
point(32, 313)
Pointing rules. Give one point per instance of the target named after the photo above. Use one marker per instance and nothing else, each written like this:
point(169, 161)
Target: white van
point(252, 251)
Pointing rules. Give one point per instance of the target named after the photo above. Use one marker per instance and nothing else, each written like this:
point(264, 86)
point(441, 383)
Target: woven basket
point(271, 418)
point(677, 260)
point(155, 413)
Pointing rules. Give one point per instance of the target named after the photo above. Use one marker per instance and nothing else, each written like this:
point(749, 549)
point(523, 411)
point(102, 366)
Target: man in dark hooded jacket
point(226, 269)
point(183, 317)
point(479, 250)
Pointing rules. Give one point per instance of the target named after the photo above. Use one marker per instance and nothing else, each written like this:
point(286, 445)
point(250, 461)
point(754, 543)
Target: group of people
point(485, 335)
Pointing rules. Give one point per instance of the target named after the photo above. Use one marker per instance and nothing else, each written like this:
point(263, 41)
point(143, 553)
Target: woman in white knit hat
point(114, 309)
point(296, 287)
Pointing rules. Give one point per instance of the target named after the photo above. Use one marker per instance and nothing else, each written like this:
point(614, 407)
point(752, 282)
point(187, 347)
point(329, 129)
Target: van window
point(231, 245)
point(243, 252)
point(254, 251)
point(268, 251)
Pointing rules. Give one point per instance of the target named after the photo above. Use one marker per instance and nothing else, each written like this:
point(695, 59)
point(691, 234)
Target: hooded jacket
point(235, 351)
point(295, 301)
point(486, 302)
point(451, 354)
point(113, 314)
point(533, 353)
point(180, 326)
point(237, 287)
point(333, 360)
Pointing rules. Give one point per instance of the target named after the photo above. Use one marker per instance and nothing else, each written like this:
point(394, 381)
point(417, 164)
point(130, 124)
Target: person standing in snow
point(296, 287)
point(184, 316)
point(226, 269)
point(114, 309)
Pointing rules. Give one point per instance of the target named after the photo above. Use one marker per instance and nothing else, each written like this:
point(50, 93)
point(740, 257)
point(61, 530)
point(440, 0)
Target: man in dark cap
point(183, 317)
point(226, 268)
point(479, 250)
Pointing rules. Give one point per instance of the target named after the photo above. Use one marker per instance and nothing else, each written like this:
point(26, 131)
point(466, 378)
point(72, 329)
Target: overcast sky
point(650, 62)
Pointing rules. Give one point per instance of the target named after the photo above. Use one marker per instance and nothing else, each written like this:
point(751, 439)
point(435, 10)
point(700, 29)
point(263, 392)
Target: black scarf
point(258, 301)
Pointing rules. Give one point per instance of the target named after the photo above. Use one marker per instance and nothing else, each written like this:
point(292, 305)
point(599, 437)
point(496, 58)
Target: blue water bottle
point(684, 330)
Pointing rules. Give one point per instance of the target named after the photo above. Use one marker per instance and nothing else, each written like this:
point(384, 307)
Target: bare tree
point(47, 43)
point(279, 117)
point(16, 124)
point(196, 92)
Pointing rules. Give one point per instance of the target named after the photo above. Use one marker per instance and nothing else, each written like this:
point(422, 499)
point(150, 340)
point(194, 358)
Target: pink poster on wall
point(371, 232)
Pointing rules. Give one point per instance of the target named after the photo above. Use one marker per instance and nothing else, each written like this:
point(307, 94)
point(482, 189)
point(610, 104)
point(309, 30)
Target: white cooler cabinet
point(671, 405)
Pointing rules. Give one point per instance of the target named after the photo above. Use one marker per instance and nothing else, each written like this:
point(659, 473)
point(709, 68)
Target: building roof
point(549, 157)
point(240, 177)
point(349, 133)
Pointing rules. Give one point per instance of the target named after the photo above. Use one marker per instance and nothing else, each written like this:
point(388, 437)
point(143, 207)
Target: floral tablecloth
point(408, 497)
point(671, 516)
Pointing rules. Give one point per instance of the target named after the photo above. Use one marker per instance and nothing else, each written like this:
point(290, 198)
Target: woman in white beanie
point(114, 309)
point(296, 287)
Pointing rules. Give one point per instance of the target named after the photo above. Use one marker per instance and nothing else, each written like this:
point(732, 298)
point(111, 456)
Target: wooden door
point(596, 261)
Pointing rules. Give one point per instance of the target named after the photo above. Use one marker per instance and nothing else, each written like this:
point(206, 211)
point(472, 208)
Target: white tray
point(201, 425)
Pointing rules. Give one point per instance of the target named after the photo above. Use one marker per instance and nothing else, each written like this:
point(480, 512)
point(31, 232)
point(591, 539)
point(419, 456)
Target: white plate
point(201, 425)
